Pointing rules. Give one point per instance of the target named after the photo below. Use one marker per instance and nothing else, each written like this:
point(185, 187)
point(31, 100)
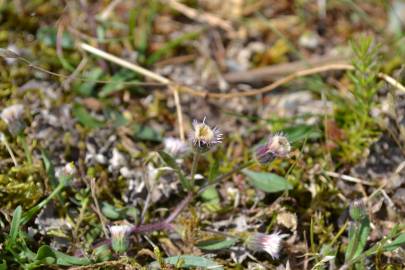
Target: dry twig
point(203, 17)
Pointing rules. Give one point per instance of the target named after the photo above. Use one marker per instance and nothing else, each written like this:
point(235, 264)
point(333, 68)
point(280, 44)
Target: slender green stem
point(23, 141)
point(10, 151)
point(28, 215)
point(196, 157)
point(236, 169)
point(342, 230)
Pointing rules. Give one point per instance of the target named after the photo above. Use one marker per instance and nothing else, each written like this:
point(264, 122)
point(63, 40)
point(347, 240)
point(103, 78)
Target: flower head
point(12, 116)
point(277, 146)
point(175, 147)
point(203, 137)
point(119, 237)
point(357, 210)
point(270, 243)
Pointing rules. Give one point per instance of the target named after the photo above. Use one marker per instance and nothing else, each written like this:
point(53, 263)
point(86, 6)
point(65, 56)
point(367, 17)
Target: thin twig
point(391, 81)
point(272, 86)
point(144, 72)
point(75, 73)
point(348, 178)
point(97, 206)
point(274, 72)
point(124, 63)
point(180, 207)
point(179, 111)
point(108, 10)
point(204, 93)
point(10, 151)
point(203, 17)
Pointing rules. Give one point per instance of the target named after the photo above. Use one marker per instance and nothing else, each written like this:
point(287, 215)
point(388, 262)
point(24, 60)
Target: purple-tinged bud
point(277, 146)
point(270, 243)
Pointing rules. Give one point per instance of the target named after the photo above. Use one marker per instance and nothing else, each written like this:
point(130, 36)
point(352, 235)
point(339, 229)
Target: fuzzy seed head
point(270, 243)
point(12, 116)
point(277, 146)
point(203, 137)
point(175, 147)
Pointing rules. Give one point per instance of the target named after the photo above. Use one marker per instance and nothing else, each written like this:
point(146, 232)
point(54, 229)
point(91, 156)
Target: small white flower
point(12, 116)
point(120, 230)
point(270, 243)
point(119, 237)
point(175, 147)
point(203, 137)
point(12, 113)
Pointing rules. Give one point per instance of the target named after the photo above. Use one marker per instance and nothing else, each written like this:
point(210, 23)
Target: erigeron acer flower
point(175, 147)
point(270, 243)
point(277, 146)
point(12, 116)
point(203, 137)
point(119, 237)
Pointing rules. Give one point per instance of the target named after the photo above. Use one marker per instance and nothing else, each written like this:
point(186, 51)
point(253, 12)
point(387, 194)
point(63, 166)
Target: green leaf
point(210, 194)
point(117, 83)
point(191, 261)
point(167, 48)
point(358, 234)
point(45, 255)
point(47, 36)
point(3, 265)
point(398, 242)
point(110, 211)
point(116, 118)
point(268, 182)
point(102, 253)
point(171, 162)
point(85, 118)
point(302, 132)
point(15, 226)
point(67, 260)
point(214, 170)
point(86, 88)
point(49, 168)
point(216, 243)
point(142, 132)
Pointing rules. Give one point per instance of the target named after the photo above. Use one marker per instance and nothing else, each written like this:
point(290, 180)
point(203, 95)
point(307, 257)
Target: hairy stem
point(196, 157)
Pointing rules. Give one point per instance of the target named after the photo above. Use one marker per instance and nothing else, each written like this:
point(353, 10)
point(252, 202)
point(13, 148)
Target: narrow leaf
point(85, 118)
point(15, 225)
point(216, 243)
point(67, 260)
point(267, 182)
point(398, 242)
point(191, 261)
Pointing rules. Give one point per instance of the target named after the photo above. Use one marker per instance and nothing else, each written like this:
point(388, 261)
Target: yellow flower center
point(204, 132)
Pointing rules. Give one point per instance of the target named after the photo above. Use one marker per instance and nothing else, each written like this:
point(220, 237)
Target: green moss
point(21, 186)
